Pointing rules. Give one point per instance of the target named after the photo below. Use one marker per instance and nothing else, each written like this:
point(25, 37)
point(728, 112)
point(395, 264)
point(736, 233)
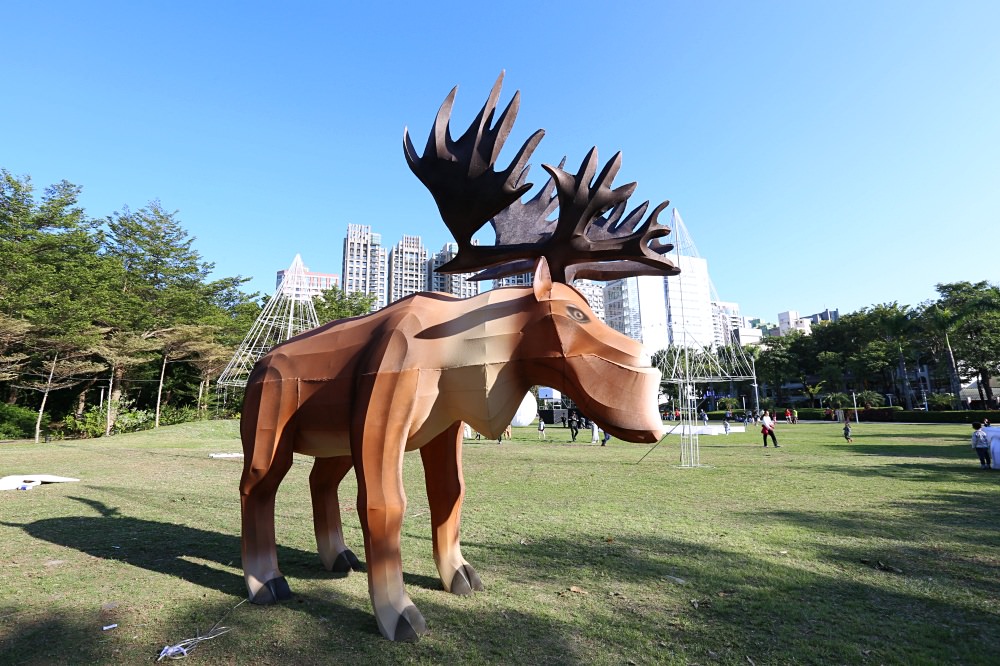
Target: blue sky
point(822, 154)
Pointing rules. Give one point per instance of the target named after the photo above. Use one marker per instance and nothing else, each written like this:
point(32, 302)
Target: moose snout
point(601, 385)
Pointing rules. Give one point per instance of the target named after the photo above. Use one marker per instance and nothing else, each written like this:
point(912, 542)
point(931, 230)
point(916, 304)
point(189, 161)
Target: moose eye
point(577, 314)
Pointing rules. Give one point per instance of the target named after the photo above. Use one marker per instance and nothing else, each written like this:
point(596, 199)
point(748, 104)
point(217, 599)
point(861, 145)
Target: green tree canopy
point(335, 303)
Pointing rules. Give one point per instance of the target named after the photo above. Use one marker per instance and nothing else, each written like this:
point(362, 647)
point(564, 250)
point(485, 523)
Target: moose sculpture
point(360, 392)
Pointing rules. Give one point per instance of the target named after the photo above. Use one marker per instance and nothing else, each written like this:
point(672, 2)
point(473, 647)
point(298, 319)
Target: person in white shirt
point(767, 428)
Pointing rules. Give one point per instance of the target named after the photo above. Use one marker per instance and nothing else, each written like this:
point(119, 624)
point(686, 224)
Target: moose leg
point(442, 458)
point(327, 473)
point(268, 451)
point(378, 439)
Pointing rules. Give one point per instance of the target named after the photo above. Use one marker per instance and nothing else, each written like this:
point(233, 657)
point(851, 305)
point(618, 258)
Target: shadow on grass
point(192, 554)
point(936, 436)
point(923, 472)
point(724, 605)
point(759, 604)
point(165, 548)
point(875, 447)
point(312, 631)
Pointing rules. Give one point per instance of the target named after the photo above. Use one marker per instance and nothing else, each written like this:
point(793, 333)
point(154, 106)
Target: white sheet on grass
point(993, 437)
point(27, 481)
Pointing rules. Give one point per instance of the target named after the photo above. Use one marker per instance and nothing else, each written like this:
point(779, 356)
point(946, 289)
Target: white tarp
point(993, 436)
point(29, 481)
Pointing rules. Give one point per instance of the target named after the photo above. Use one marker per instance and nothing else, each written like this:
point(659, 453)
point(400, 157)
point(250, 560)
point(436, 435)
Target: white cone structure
point(699, 362)
point(289, 312)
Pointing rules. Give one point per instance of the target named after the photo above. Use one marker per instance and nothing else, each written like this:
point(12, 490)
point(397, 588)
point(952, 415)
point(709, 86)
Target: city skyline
point(681, 310)
point(459, 285)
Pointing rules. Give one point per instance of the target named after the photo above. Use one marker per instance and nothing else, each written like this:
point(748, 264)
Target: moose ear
point(542, 283)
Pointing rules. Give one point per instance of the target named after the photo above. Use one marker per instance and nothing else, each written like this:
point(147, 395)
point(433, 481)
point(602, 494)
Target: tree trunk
point(953, 380)
point(81, 400)
point(45, 396)
point(159, 391)
point(905, 381)
point(201, 392)
point(114, 395)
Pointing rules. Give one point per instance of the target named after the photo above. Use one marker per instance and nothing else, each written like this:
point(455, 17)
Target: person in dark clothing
point(574, 426)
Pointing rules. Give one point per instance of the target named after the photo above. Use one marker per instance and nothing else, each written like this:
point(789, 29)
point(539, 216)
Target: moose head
point(360, 392)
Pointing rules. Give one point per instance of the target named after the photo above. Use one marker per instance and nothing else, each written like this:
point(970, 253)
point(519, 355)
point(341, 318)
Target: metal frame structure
point(287, 313)
point(700, 363)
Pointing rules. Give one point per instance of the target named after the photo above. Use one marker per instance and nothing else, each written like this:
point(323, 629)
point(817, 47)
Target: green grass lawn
point(884, 551)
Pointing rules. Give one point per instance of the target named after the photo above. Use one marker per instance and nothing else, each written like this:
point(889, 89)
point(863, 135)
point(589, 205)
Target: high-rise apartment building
point(365, 267)
point(791, 321)
point(315, 283)
point(457, 284)
point(519, 280)
point(407, 268)
point(660, 312)
point(637, 307)
point(594, 293)
point(689, 304)
point(726, 320)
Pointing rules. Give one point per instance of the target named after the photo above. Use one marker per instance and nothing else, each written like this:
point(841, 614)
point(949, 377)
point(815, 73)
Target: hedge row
point(886, 414)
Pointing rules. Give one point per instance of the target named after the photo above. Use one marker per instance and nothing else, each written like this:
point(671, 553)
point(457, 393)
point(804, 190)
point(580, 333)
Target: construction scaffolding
point(690, 363)
point(287, 313)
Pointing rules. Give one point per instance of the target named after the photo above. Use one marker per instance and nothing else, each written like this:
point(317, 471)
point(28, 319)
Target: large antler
point(460, 174)
point(586, 244)
point(580, 243)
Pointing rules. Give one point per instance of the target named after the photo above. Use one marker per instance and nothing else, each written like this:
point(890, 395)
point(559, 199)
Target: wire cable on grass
point(182, 649)
point(670, 432)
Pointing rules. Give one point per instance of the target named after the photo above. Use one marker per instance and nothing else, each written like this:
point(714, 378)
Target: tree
point(335, 303)
point(55, 279)
point(13, 332)
point(937, 323)
point(177, 343)
point(812, 392)
point(777, 364)
point(838, 400)
point(870, 399)
point(164, 285)
point(975, 322)
point(209, 363)
point(895, 324)
point(66, 365)
point(729, 403)
point(122, 350)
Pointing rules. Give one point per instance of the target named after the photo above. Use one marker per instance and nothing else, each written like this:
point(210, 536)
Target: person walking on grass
point(574, 426)
point(541, 427)
point(981, 444)
point(767, 429)
point(847, 432)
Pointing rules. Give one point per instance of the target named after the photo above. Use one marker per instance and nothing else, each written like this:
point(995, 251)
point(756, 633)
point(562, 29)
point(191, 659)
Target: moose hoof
point(272, 592)
point(410, 625)
point(345, 563)
point(465, 581)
